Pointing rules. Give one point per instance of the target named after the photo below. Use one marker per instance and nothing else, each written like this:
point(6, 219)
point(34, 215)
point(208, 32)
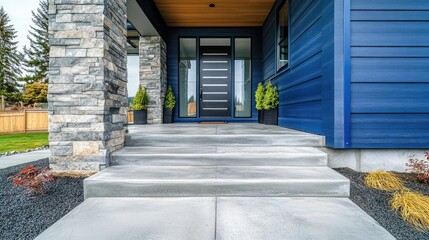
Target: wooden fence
point(24, 121)
point(30, 120)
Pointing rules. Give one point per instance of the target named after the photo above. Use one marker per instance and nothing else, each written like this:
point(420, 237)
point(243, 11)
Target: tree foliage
point(10, 71)
point(36, 92)
point(271, 97)
point(36, 58)
point(141, 100)
point(170, 99)
point(259, 96)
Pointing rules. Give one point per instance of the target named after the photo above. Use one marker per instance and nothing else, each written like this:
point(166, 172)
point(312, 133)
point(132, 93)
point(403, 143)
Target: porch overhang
point(214, 13)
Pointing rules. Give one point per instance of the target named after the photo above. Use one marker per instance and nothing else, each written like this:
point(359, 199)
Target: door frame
point(231, 94)
point(232, 37)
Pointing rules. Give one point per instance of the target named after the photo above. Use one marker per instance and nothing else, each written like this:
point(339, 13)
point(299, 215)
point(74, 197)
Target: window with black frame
point(188, 78)
point(282, 36)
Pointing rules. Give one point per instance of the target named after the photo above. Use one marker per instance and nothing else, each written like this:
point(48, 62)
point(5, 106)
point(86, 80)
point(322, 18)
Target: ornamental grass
point(386, 181)
point(413, 208)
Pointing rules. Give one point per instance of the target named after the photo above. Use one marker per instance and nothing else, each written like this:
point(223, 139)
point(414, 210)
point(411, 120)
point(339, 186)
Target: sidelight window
point(188, 78)
point(243, 77)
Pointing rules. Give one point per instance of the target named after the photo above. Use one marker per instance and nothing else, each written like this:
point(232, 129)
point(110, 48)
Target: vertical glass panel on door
point(243, 77)
point(188, 78)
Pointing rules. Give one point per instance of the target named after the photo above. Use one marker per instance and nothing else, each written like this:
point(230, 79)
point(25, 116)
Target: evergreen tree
point(37, 55)
point(9, 58)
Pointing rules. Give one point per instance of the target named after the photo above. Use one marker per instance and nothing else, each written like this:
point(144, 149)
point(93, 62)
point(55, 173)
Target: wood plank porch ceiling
point(226, 13)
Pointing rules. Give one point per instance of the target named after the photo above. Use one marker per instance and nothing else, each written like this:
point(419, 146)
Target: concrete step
point(184, 135)
point(219, 156)
point(216, 218)
point(207, 181)
point(180, 140)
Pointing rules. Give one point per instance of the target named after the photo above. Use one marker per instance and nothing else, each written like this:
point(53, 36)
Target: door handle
point(201, 94)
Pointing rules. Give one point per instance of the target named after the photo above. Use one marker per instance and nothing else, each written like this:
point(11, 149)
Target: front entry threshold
point(213, 122)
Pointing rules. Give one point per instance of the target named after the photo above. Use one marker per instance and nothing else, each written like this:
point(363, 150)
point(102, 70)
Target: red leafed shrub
point(419, 167)
point(33, 179)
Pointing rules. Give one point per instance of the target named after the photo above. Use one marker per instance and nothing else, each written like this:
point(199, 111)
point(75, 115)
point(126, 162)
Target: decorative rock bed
point(24, 217)
point(376, 204)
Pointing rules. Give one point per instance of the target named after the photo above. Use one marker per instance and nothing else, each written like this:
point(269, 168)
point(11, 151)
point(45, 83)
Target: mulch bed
point(376, 204)
point(24, 217)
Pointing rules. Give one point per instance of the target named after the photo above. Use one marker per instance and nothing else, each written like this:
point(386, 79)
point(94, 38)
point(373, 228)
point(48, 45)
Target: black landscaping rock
point(376, 204)
point(24, 217)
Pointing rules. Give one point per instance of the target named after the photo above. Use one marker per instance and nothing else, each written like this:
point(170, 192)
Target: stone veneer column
point(87, 82)
point(153, 74)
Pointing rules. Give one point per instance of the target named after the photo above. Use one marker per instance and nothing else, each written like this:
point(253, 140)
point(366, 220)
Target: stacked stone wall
point(87, 82)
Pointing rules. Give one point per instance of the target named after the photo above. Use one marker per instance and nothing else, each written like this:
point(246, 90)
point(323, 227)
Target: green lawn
point(22, 141)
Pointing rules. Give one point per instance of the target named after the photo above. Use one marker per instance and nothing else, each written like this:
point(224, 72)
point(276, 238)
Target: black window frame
point(279, 40)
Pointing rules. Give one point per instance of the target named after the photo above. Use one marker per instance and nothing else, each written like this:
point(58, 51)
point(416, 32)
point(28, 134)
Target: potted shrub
point(169, 103)
point(259, 98)
point(139, 106)
point(271, 103)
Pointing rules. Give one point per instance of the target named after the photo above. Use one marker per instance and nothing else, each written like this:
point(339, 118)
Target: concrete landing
point(216, 218)
point(219, 156)
point(208, 181)
point(250, 134)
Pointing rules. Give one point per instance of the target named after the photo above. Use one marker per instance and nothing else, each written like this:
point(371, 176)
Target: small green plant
point(259, 96)
point(271, 97)
point(170, 99)
point(33, 179)
point(141, 100)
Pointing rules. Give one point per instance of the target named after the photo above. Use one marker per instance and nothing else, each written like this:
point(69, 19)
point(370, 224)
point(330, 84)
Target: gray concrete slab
point(216, 218)
point(295, 218)
point(219, 156)
point(137, 219)
point(202, 181)
point(21, 158)
point(219, 135)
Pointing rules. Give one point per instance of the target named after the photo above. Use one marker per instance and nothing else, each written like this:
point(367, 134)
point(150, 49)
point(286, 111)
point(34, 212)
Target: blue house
point(353, 82)
point(354, 71)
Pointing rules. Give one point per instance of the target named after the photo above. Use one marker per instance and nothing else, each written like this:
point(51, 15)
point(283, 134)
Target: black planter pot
point(168, 116)
point(261, 116)
point(271, 117)
point(140, 117)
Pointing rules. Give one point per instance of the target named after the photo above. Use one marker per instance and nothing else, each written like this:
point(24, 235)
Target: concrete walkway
point(22, 158)
point(227, 218)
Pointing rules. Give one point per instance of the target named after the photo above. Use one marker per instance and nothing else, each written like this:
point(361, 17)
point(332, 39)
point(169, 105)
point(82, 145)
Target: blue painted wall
point(389, 73)
point(173, 58)
point(311, 96)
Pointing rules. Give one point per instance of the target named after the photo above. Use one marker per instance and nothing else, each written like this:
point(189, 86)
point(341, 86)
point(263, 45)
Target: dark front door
point(215, 81)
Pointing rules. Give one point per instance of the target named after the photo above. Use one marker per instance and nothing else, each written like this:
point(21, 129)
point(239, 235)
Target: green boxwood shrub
point(170, 99)
point(271, 97)
point(141, 100)
point(259, 96)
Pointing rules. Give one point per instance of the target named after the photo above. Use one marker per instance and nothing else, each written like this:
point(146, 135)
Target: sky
point(19, 12)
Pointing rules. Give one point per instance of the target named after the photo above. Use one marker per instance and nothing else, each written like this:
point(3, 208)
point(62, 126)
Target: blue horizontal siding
point(390, 73)
point(390, 69)
point(390, 130)
point(390, 33)
point(390, 98)
point(382, 5)
point(300, 84)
